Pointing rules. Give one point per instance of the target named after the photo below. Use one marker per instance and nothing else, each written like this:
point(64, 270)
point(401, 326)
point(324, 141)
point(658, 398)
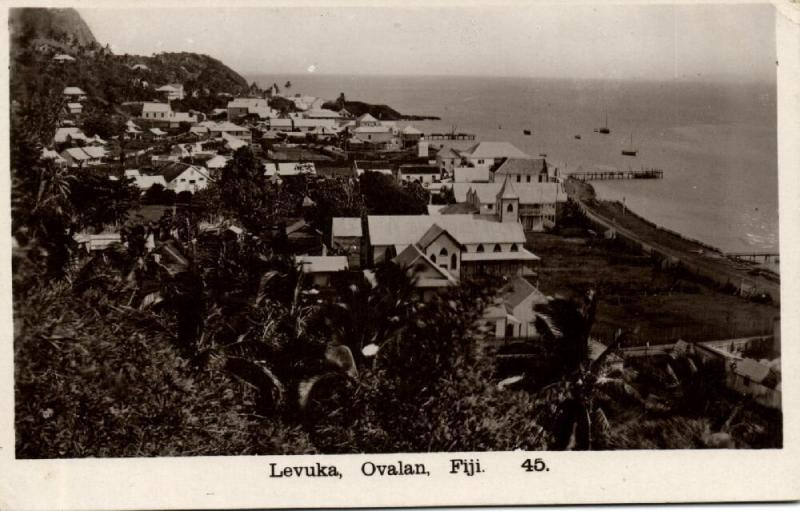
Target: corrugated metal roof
point(494, 150)
point(522, 166)
point(322, 264)
point(521, 255)
point(466, 229)
point(344, 227)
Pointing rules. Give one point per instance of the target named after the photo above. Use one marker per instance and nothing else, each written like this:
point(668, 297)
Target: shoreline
point(672, 249)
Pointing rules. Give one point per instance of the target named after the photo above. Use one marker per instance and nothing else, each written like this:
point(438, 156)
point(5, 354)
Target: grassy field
point(634, 294)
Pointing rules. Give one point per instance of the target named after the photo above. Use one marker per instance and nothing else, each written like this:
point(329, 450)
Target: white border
point(595, 477)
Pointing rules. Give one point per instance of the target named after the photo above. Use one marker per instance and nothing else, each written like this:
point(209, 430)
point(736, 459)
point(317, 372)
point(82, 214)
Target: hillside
point(62, 26)
point(109, 80)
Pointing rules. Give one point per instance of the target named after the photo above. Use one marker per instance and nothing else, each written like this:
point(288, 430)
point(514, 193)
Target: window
point(479, 249)
point(480, 162)
point(497, 248)
point(433, 257)
point(528, 179)
point(519, 179)
point(491, 207)
point(443, 252)
point(514, 248)
point(192, 181)
point(453, 262)
point(510, 207)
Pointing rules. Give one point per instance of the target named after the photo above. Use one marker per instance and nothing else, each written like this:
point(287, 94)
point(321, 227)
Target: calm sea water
point(717, 143)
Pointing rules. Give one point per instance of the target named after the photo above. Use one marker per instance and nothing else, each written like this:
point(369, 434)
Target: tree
point(103, 125)
point(341, 101)
point(383, 196)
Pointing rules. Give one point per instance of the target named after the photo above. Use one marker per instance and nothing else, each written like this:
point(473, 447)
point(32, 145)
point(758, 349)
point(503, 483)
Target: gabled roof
point(494, 150)
point(172, 170)
point(73, 91)
point(344, 227)
point(366, 118)
point(71, 132)
point(432, 235)
point(518, 290)
point(77, 153)
point(415, 261)
point(411, 130)
point(752, 369)
point(507, 191)
point(94, 151)
point(522, 166)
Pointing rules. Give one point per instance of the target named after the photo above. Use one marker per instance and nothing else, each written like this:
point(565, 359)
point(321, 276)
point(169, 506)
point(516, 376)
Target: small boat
point(604, 130)
point(526, 132)
point(578, 137)
point(631, 151)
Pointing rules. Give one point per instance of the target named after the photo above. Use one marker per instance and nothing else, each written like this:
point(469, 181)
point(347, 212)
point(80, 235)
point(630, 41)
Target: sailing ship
point(631, 151)
point(604, 130)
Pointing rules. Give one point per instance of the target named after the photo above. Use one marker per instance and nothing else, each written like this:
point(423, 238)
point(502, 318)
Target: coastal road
point(699, 258)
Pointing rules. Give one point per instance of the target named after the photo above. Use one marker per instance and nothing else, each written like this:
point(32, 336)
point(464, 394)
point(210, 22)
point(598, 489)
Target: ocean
point(715, 142)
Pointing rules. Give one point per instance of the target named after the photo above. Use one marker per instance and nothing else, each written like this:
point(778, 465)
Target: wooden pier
point(451, 136)
point(754, 257)
point(607, 174)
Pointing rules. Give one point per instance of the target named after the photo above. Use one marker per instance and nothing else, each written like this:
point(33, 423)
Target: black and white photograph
point(277, 230)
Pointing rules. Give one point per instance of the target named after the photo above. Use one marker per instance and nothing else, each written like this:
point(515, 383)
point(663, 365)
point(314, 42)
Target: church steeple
point(508, 202)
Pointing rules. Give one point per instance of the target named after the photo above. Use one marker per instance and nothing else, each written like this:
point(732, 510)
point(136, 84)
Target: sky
point(589, 41)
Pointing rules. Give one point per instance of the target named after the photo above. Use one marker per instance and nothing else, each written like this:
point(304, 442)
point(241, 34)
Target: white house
point(145, 181)
point(320, 269)
point(83, 156)
point(217, 162)
point(512, 315)
point(74, 94)
point(182, 177)
point(156, 111)
point(241, 107)
point(526, 170)
point(63, 58)
point(427, 276)
point(487, 153)
point(172, 91)
point(68, 134)
point(216, 129)
point(464, 245)
point(425, 174)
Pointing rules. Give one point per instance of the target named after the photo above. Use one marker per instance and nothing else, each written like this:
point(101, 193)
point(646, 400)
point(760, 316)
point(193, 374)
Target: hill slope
point(59, 25)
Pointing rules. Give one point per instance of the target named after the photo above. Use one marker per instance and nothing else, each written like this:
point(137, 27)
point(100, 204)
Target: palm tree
point(575, 397)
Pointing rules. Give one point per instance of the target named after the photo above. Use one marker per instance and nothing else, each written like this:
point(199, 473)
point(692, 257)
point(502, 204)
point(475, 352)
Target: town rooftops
point(528, 193)
point(248, 103)
point(65, 133)
point(62, 57)
point(322, 264)
point(73, 91)
point(404, 230)
point(522, 166)
point(493, 150)
point(344, 227)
